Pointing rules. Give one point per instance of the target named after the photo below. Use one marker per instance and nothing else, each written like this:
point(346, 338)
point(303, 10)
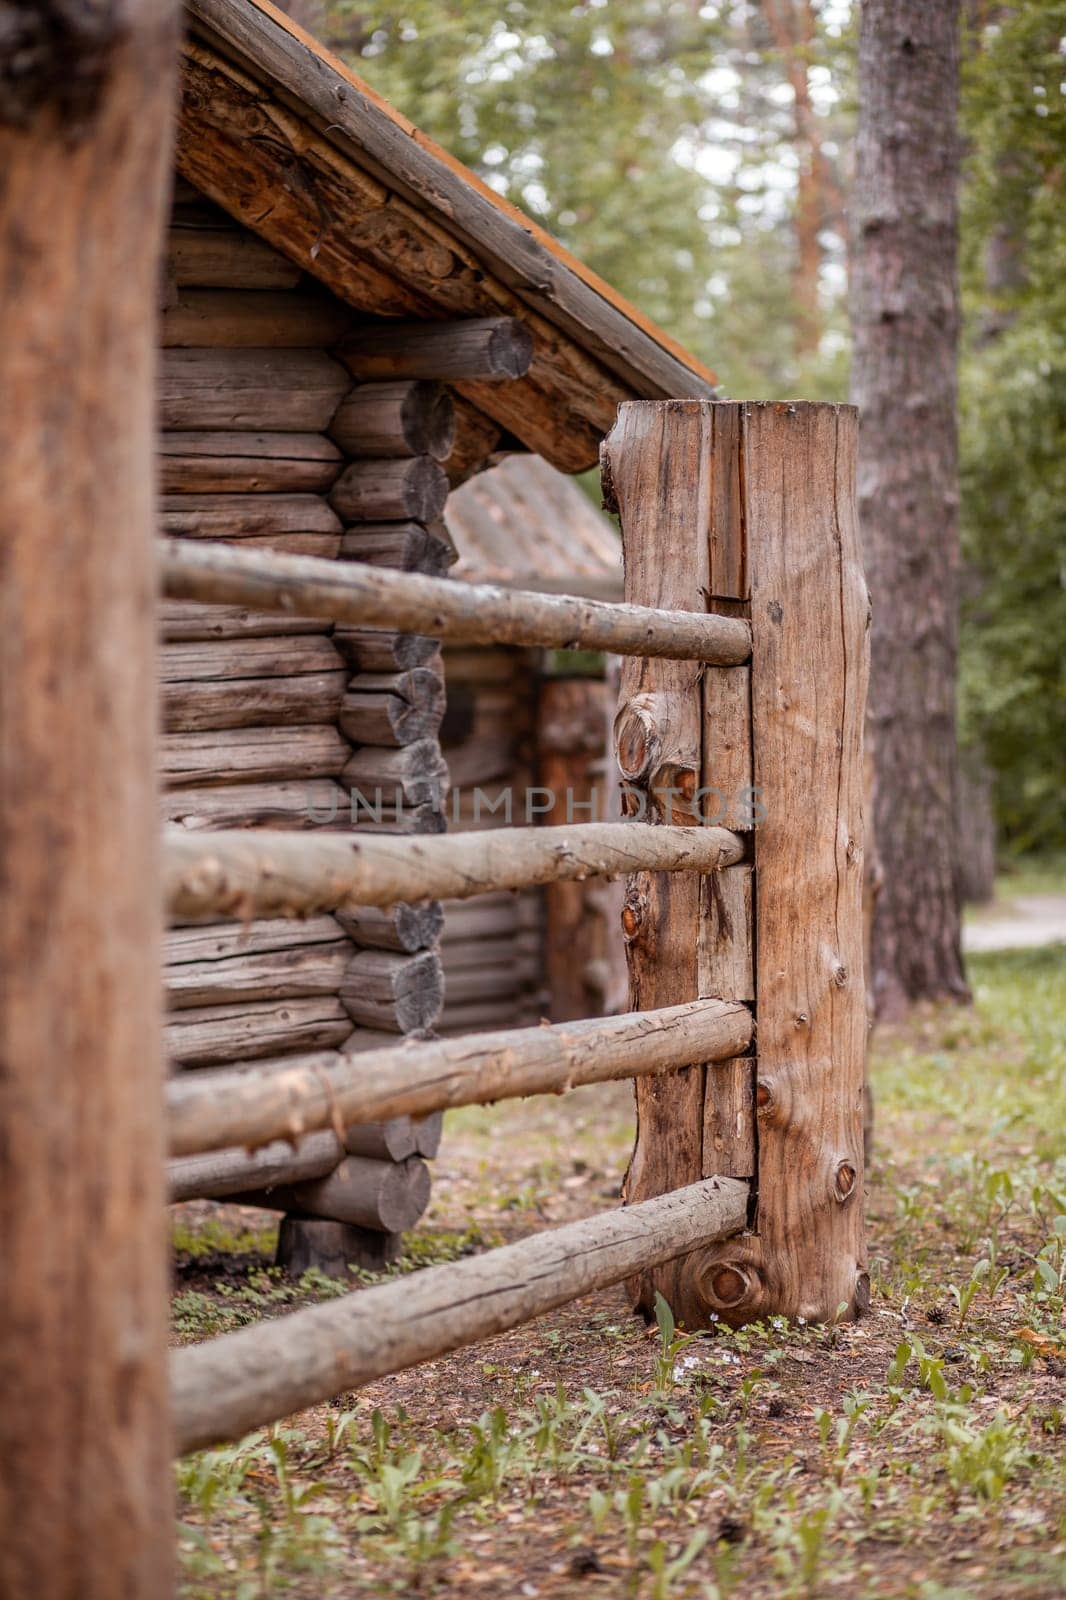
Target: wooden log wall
point(491, 949)
point(290, 423)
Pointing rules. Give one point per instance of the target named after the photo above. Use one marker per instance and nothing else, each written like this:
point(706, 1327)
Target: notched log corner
point(55, 56)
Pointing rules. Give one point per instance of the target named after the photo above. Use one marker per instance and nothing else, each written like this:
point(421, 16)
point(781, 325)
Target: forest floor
point(918, 1453)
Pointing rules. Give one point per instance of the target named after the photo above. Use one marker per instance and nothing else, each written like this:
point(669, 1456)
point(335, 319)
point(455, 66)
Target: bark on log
point(85, 116)
point(232, 873)
point(779, 478)
point(418, 1078)
point(386, 709)
point(194, 462)
point(228, 1172)
point(380, 420)
point(471, 613)
point(281, 391)
point(252, 755)
point(487, 349)
point(225, 1387)
point(226, 257)
point(415, 489)
point(406, 546)
point(373, 650)
point(404, 993)
point(384, 1196)
point(233, 319)
point(401, 927)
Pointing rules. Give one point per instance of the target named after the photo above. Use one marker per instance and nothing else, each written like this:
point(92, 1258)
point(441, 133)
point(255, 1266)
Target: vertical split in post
point(750, 509)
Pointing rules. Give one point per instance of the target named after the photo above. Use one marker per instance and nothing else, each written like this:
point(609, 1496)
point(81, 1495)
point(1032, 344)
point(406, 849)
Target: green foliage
point(655, 138)
point(1013, 416)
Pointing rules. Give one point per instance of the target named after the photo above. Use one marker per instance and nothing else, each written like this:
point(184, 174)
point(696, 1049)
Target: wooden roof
point(289, 141)
point(525, 525)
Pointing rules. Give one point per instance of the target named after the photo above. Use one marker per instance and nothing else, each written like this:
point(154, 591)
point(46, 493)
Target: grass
point(917, 1454)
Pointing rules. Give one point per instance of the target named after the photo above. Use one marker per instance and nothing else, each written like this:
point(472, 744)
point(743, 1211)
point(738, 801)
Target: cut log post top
point(234, 873)
point(229, 1385)
point(470, 613)
point(484, 349)
point(417, 1078)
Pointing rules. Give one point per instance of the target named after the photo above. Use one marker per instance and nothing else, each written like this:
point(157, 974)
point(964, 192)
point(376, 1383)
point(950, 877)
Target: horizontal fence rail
point(306, 586)
point(243, 1380)
point(243, 873)
point(248, 1108)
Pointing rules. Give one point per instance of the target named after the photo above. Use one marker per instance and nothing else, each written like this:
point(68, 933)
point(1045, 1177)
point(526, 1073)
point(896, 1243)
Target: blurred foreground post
point(85, 110)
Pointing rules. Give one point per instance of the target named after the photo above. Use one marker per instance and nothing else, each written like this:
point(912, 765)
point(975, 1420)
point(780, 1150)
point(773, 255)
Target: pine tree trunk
point(85, 1477)
point(905, 323)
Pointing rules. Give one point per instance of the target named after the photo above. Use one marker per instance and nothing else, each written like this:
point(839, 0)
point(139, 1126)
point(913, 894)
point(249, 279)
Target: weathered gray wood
point(408, 778)
point(493, 978)
point(193, 462)
point(285, 391)
point(240, 1032)
point(281, 657)
point(296, 974)
point(414, 488)
point(219, 941)
point(253, 755)
point(335, 1248)
point(183, 620)
point(383, 989)
point(232, 319)
point(226, 257)
point(240, 516)
point(396, 419)
point(472, 613)
point(232, 873)
point(315, 803)
point(770, 489)
point(488, 917)
point(406, 546)
point(200, 705)
point(227, 1172)
point(417, 1078)
point(383, 1141)
point(226, 1387)
point(374, 650)
point(401, 927)
point(385, 1196)
point(489, 349)
point(393, 708)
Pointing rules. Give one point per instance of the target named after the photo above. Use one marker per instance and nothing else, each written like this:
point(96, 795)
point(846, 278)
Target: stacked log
point(275, 436)
point(491, 946)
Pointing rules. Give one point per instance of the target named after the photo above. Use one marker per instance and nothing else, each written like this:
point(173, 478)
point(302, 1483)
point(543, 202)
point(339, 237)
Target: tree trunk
point(85, 1493)
point(905, 321)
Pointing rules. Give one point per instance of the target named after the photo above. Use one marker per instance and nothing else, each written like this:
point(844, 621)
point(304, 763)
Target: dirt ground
point(915, 1454)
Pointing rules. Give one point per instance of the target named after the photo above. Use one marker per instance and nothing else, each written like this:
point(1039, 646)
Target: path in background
point(1020, 922)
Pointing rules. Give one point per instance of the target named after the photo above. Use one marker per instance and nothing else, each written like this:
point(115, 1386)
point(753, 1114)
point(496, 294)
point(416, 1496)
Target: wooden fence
point(739, 738)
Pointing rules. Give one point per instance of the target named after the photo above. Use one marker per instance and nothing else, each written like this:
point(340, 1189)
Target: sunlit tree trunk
point(905, 325)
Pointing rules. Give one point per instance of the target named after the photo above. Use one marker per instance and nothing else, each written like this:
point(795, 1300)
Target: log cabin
point(354, 329)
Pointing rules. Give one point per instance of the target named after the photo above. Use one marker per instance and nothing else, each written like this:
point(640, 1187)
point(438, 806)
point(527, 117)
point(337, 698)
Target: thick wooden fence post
point(749, 509)
point(85, 1496)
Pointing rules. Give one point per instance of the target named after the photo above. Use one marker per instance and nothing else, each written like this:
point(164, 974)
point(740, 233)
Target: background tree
point(905, 328)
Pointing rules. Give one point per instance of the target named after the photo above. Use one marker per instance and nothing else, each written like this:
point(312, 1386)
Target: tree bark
point(85, 1496)
point(905, 322)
